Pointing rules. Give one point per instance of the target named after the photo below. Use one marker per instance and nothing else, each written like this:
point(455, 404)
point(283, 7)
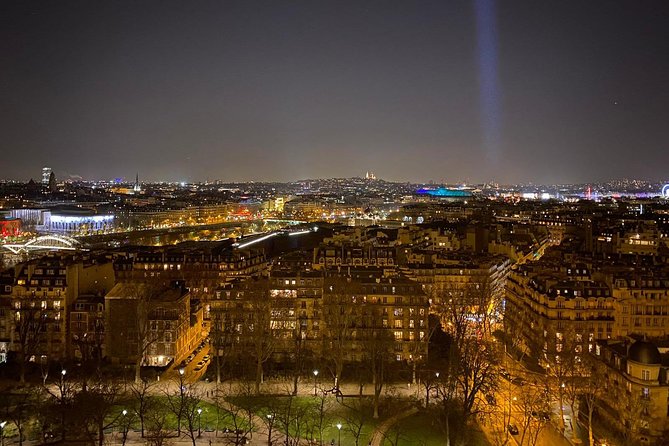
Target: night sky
point(512, 91)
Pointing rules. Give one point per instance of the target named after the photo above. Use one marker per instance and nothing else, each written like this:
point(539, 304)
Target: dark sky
point(513, 91)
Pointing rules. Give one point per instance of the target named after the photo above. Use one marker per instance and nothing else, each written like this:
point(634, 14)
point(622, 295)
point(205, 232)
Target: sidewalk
point(382, 429)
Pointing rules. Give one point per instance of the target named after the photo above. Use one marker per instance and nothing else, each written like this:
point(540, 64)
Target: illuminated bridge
point(45, 243)
point(287, 222)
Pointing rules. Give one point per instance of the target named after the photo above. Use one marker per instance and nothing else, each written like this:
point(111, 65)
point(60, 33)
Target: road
point(508, 399)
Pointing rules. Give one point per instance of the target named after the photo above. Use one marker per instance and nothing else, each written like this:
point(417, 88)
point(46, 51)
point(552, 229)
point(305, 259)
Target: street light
point(199, 422)
point(125, 426)
point(315, 376)
point(339, 432)
point(182, 371)
point(270, 423)
point(2, 432)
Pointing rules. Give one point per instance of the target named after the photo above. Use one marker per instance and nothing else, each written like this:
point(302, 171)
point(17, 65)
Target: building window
point(645, 375)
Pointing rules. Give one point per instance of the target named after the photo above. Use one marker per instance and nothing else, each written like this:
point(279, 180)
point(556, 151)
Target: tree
point(377, 345)
point(192, 412)
point(157, 431)
point(177, 400)
point(292, 419)
point(90, 345)
point(17, 408)
point(63, 393)
point(534, 403)
point(298, 354)
point(259, 326)
point(357, 416)
point(465, 313)
point(142, 401)
point(241, 416)
point(562, 356)
point(591, 390)
point(318, 416)
point(144, 294)
point(477, 371)
point(222, 338)
point(339, 316)
point(97, 402)
point(30, 322)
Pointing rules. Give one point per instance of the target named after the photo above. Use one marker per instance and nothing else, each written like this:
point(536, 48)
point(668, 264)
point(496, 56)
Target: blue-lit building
point(442, 192)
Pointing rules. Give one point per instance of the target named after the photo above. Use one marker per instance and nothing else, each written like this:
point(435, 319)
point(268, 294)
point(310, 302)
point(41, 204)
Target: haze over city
point(312, 223)
point(549, 92)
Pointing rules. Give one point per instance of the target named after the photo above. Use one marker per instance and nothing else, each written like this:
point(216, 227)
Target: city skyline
point(464, 91)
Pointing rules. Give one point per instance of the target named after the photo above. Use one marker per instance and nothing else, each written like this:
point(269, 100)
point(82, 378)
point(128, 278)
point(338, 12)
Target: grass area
point(212, 417)
point(354, 415)
point(422, 429)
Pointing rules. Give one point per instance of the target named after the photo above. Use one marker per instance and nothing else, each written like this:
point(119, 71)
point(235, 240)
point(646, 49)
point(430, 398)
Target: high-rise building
point(46, 174)
point(137, 188)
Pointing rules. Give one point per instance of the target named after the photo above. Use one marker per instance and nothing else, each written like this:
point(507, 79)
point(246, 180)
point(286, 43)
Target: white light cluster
point(76, 219)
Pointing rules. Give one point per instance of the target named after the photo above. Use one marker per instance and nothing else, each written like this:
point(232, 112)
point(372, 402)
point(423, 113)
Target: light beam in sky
point(489, 94)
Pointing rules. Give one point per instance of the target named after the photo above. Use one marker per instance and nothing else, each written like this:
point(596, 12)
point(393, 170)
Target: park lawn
point(421, 430)
point(335, 413)
point(212, 416)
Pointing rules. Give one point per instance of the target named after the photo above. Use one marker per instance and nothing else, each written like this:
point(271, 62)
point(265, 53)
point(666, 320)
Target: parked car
point(541, 415)
point(206, 358)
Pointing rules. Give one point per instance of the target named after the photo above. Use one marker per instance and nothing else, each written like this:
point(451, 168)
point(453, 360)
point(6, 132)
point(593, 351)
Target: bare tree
point(292, 420)
point(377, 345)
point(298, 354)
point(357, 415)
point(157, 429)
point(192, 413)
point(222, 336)
point(97, 402)
point(591, 390)
point(177, 399)
point(142, 401)
point(339, 316)
point(318, 417)
point(534, 406)
point(242, 417)
point(259, 326)
point(30, 322)
point(145, 293)
point(477, 362)
point(17, 408)
point(63, 393)
point(632, 408)
point(246, 324)
point(562, 356)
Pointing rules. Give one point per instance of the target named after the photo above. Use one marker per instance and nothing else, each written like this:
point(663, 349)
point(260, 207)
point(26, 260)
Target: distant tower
point(136, 188)
point(52, 182)
point(46, 174)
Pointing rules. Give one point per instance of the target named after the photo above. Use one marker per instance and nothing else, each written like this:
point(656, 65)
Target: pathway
point(382, 429)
